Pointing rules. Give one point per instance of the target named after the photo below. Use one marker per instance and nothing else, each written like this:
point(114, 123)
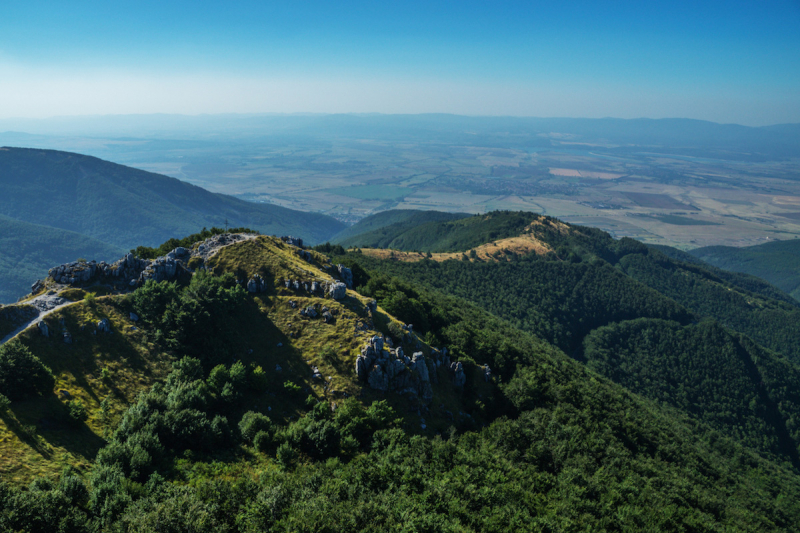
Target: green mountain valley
point(500, 372)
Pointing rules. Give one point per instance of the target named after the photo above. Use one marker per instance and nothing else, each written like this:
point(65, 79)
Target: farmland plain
point(680, 192)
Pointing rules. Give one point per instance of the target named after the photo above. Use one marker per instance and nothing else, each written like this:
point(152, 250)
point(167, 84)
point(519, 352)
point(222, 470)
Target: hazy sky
point(722, 61)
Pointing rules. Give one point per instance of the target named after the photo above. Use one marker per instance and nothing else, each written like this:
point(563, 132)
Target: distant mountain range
point(52, 194)
point(688, 136)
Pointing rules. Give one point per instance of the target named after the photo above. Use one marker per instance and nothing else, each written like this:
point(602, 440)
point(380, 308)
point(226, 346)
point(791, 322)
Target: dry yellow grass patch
point(521, 245)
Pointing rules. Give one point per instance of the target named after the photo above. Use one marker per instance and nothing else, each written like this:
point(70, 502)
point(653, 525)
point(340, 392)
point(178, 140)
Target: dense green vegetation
point(125, 207)
point(22, 374)
point(580, 453)
point(557, 301)
point(628, 311)
point(777, 262)
point(438, 232)
point(677, 424)
point(771, 322)
point(387, 224)
point(708, 372)
point(27, 251)
point(748, 282)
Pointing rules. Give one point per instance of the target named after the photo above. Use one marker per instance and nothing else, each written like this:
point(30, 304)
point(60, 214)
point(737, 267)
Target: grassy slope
point(776, 262)
point(27, 251)
point(133, 365)
point(128, 207)
point(134, 362)
point(375, 227)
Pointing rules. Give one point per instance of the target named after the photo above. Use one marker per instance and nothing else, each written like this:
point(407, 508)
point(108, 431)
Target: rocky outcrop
point(391, 370)
point(337, 290)
point(256, 284)
point(130, 269)
point(104, 326)
point(459, 378)
point(43, 329)
point(293, 241)
point(346, 275)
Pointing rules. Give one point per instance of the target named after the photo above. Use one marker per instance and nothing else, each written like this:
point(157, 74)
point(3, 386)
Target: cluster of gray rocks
point(102, 326)
point(386, 368)
point(336, 289)
point(130, 269)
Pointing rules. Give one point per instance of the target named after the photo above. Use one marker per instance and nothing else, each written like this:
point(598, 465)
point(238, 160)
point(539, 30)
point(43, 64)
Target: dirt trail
point(45, 304)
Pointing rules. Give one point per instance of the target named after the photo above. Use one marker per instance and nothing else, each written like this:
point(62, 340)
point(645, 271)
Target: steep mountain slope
point(375, 227)
point(777, 262)
point(127, 207)
point(582, 282)
point(28, 250)
point(431, 231)
point(227, 443)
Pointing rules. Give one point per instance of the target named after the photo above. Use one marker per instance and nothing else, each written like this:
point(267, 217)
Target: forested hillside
point(387, 224)
point(430, 231)
point(777, 262)
point(240, 436)
point(631, 313)
point(127, 207)
point(27, 251)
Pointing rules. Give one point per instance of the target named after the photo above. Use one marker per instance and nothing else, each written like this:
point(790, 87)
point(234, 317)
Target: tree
point(22, 374)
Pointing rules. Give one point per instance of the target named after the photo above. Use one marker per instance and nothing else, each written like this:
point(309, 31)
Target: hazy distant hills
point(777, 262)
point(687, 136)
point(116, 208)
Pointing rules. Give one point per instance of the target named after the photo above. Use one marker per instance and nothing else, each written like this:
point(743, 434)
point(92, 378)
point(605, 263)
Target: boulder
point(377, 343)
point(346, 275)
point(67, 337)
point(338, 290)
point(134, 317)
point(487, 373)
point(104, 326)
point(378, 379)
point(362, 367)
point(419, 364)
point(44, 329)
point(459, 378)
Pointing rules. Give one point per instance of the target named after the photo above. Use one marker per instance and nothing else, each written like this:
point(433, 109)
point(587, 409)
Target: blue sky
point(721, 61)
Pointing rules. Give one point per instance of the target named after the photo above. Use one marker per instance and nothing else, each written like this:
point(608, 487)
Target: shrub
point(5, 403)
point(286, 455)
point(291, 388)
point(90, 299)
point(74, 489)
point(22, 373)
point(262, 441)
point(253, 423)
point(77, 411)
point(258, 379)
